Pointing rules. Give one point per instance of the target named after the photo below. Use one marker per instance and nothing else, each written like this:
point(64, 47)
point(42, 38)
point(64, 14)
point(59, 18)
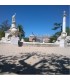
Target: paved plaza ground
point(34, 60)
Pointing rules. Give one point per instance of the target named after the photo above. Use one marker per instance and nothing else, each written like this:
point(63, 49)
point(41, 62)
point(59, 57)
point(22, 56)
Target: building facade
point(42, 39)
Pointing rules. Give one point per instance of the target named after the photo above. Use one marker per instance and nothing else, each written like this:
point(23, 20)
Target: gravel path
point(34, 60)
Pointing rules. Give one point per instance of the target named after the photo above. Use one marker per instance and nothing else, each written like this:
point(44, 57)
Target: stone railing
point(38, 44)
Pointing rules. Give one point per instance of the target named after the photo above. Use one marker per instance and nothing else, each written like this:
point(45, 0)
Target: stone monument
point(62, 40)
point(11, 35)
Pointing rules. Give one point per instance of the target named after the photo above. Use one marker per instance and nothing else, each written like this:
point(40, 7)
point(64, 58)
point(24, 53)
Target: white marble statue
point(11, 35)
point(13, 17)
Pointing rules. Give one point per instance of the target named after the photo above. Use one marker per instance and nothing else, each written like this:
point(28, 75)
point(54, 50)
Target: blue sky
point(34, 18)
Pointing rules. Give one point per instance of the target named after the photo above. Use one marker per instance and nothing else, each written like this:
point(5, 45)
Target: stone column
point(63, 34)
point(64, 22)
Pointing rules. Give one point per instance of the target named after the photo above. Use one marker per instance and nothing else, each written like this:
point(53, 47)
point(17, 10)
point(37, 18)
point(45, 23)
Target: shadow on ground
point(47, 64)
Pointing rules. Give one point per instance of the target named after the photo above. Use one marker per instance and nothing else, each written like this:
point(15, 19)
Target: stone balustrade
point(38, 44)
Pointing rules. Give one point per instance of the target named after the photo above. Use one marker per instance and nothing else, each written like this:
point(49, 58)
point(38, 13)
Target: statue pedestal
point(62, 43)
point(14, 40)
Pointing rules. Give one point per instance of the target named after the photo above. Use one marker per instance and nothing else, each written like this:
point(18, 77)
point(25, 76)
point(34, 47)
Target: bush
point(26, 39)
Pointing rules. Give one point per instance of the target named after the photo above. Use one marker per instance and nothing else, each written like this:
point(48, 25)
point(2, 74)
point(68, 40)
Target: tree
point(68, 30)
point(58, 33)
point(57, 26)
point(4, 26)
point(21, 32)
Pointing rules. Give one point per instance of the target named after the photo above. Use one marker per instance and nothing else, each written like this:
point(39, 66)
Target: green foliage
point(57, 25)
point(2, 34)
point(21, 32)
point(53, 38)
point(26, 39)
point(68, 30)
point(58, 33)
point(4, 26)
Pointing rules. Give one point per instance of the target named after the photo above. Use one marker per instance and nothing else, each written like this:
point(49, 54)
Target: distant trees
point(26, 39)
